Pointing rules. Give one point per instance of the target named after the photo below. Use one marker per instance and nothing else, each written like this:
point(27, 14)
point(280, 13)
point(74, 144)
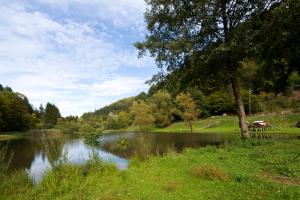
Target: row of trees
point(215, 40)
point(86, 125)
point(161, 109)
point(17, 114)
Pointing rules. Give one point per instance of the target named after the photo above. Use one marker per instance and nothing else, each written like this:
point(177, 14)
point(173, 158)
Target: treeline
point(17, 114)
point(216, 97)
point(161, 107)
point(142, 112)
point(88, 124)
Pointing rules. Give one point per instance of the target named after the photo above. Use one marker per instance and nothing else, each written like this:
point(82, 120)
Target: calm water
point(32, 154)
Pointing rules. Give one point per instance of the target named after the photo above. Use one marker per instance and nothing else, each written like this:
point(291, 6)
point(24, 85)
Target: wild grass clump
point(4, 160)
point(16, 182)
point(209, 172)
point(96, 165)
point(143, 150)
point(172, 186)
point(54, 150)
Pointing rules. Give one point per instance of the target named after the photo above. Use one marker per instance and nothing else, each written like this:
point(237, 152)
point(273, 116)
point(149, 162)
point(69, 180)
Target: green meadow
point(254, 169)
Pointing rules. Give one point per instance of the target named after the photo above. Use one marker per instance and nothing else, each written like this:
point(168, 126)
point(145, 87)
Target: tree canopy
point(162, 106)
point(16, 113)
point(142, 115)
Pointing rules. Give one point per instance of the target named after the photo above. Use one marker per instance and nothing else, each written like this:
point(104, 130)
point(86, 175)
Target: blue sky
point(78, 54)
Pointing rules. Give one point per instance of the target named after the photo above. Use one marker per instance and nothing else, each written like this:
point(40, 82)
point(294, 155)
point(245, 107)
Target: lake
point(35, 153)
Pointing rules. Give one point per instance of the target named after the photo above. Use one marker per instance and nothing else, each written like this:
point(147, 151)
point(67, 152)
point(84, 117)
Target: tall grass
point(5, 159)
point(54, 149)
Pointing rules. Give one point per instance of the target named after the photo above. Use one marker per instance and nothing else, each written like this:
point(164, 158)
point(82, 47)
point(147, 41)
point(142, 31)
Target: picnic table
point(258, 125)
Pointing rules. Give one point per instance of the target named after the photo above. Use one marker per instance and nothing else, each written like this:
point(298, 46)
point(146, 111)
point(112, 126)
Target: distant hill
point(116, 107)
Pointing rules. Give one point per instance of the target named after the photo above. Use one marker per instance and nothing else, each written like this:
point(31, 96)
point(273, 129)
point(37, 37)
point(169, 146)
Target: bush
point(69, 127)
point(92, 139)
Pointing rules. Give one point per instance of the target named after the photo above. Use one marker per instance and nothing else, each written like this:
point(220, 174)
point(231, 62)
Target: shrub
point(122, 144)
point(209, 172)
point(69, 127)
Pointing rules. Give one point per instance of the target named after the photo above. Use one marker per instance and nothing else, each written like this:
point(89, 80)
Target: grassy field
point(242, 170)
point(282, 124)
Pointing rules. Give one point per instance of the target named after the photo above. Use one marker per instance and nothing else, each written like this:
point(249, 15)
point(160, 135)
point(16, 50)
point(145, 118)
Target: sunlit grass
point(255, 169)
point(281, 124)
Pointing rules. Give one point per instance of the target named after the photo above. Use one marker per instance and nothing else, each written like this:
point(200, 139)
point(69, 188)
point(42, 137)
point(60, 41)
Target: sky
point(77, 54)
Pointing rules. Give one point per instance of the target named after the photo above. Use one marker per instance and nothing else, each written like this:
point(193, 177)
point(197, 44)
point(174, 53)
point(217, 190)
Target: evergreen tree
point(51, 115)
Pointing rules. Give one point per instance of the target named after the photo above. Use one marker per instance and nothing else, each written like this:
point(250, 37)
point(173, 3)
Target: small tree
point(142, 115)
point(162, 106)
point(187, 108)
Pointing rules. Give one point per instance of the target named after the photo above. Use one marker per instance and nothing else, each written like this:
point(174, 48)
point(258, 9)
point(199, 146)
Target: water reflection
point(38, 154)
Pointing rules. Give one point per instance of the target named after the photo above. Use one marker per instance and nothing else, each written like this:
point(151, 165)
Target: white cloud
point(122, 13)
point(64, 61)
point(117, 86)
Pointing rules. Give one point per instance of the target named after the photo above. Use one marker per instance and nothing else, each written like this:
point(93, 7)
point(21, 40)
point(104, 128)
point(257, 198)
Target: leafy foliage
point(162, 107)
point(142, 115)
point(219, 103)
point(16, 114)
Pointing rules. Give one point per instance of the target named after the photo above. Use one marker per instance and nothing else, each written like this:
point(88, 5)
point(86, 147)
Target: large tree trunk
point(240, 107)
point(233, 77)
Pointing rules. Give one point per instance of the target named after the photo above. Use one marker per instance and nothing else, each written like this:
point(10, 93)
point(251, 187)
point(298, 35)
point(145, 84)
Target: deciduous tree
point(162, 107)
point(187, 108)
point(142, 115)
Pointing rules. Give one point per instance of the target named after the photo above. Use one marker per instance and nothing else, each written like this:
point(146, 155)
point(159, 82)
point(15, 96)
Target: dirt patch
point(280, 179)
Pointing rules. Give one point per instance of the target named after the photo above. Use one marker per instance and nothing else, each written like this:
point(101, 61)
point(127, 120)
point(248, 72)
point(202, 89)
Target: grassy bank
point(4, 137)
point(18, 134)
point(282, 124)
point(244, 170)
